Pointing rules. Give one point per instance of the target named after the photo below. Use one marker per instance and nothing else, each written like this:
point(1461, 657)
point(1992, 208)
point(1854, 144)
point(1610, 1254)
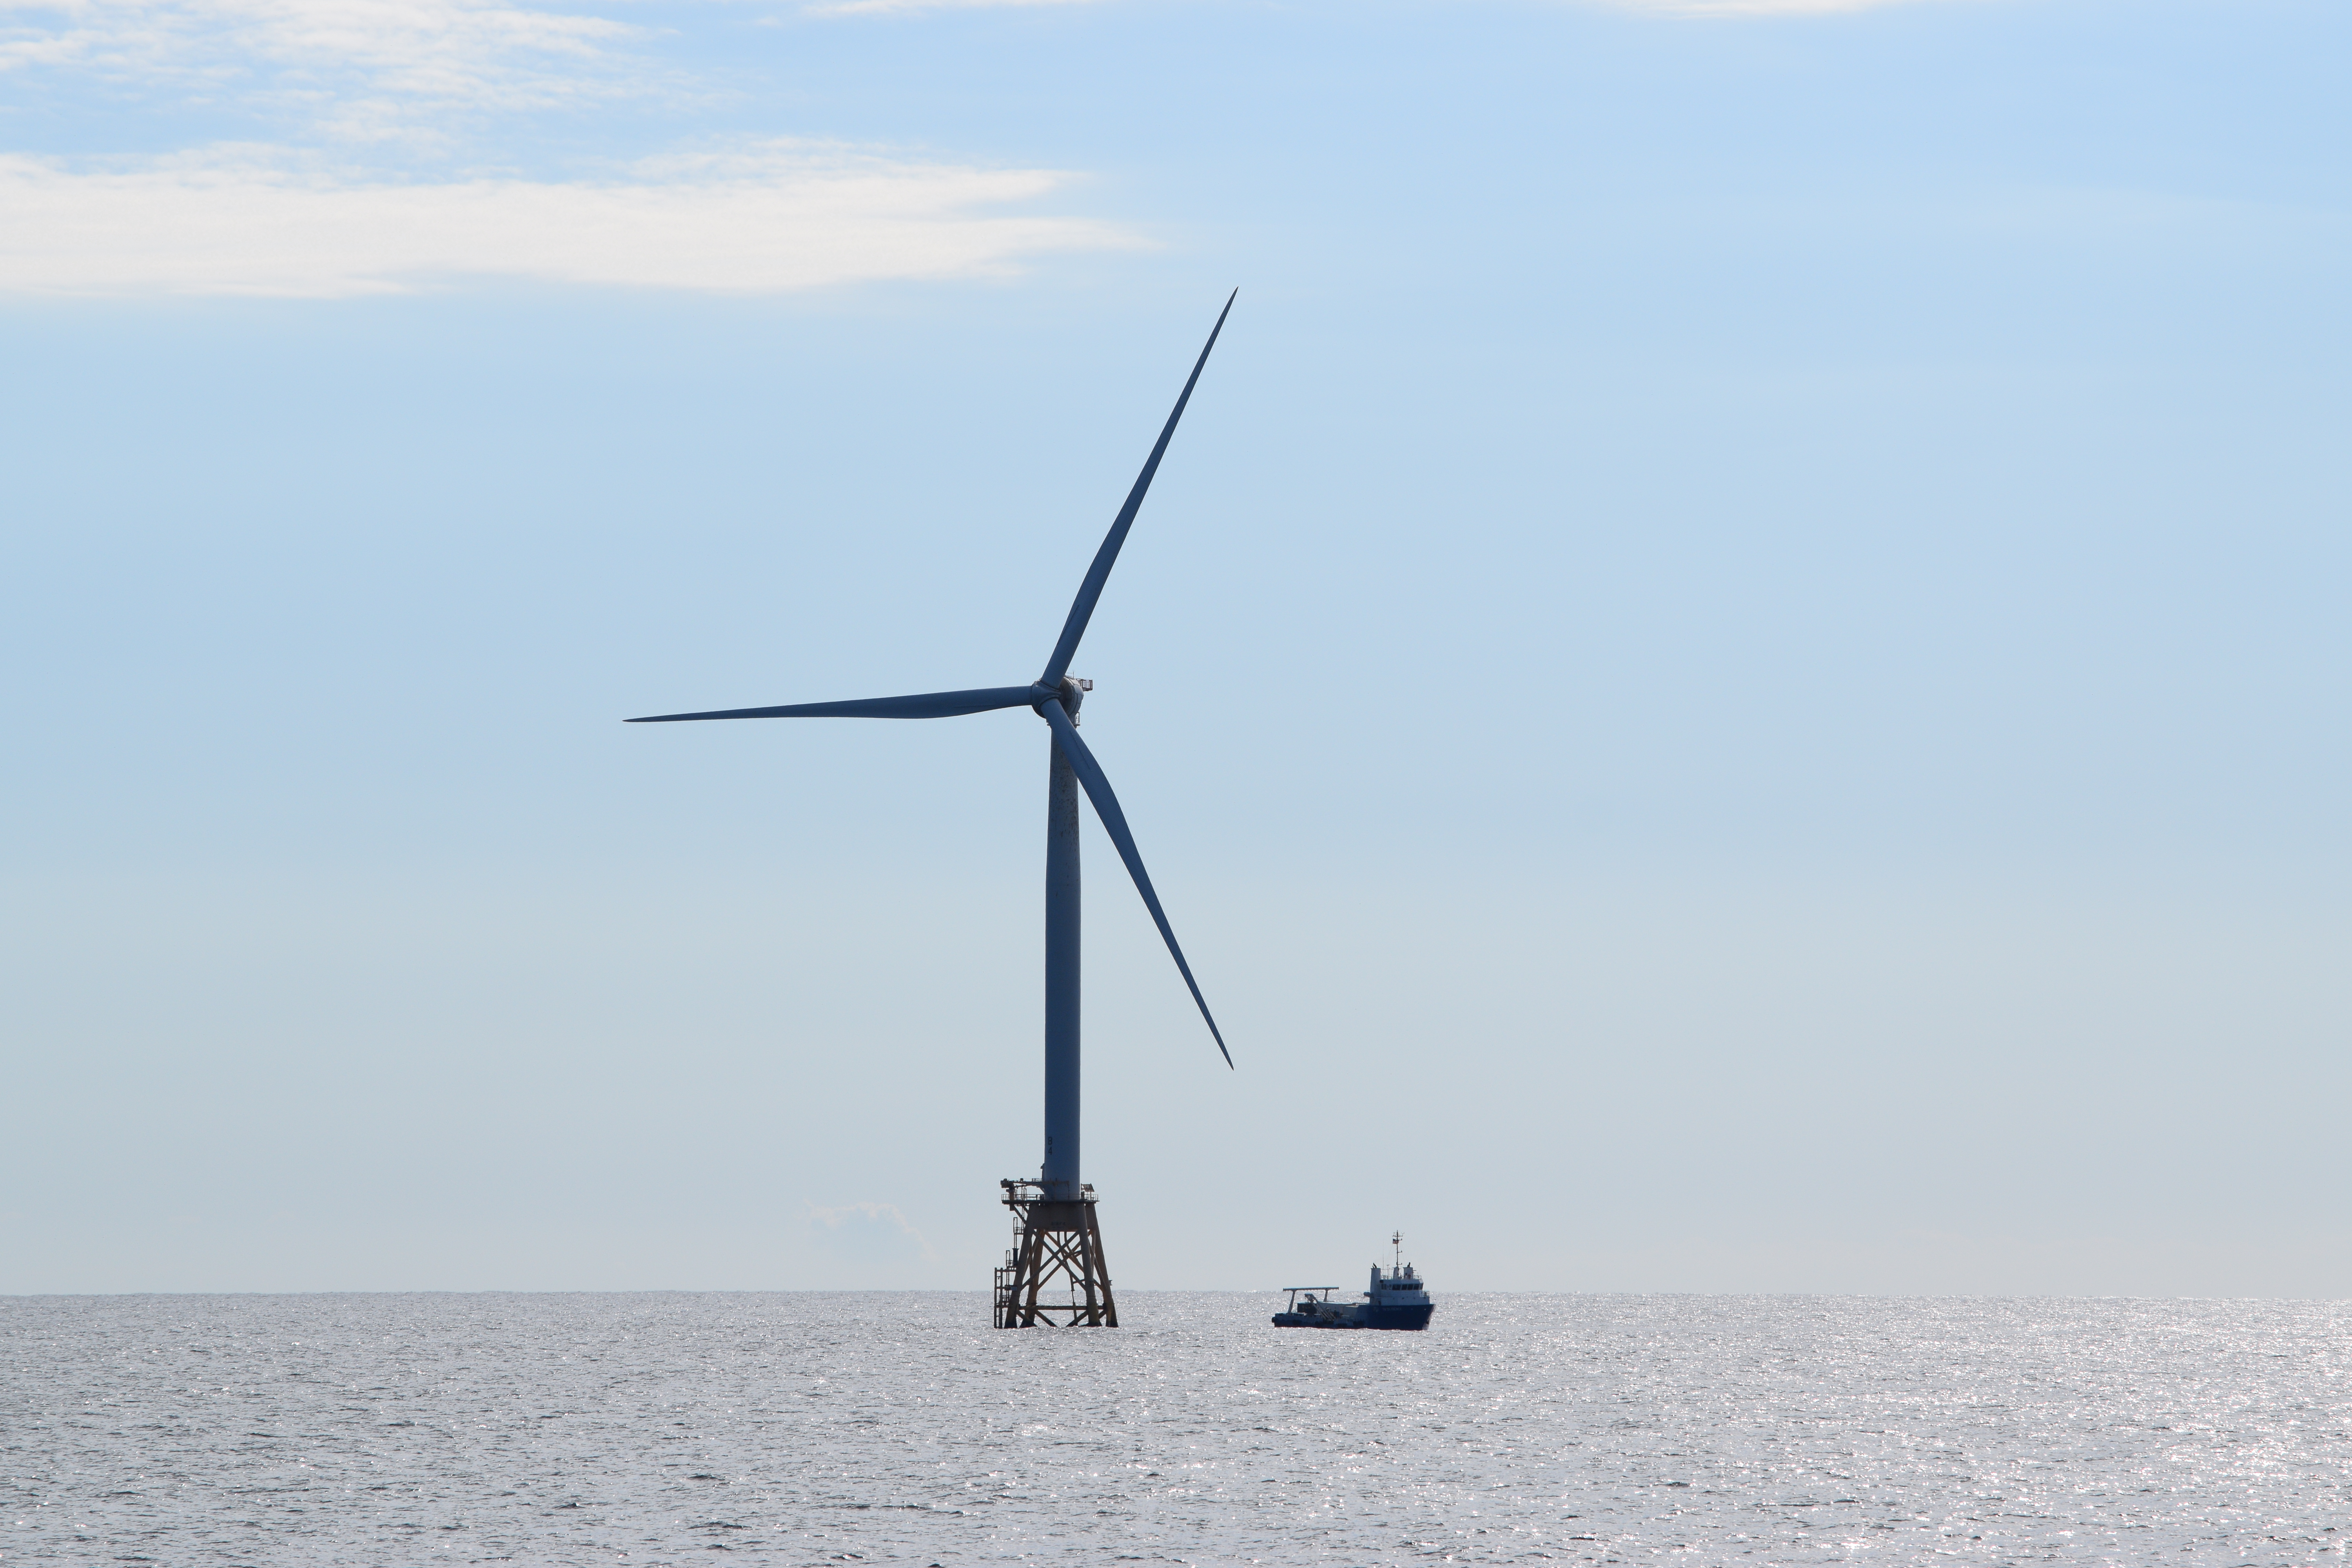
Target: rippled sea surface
point(898, 1428)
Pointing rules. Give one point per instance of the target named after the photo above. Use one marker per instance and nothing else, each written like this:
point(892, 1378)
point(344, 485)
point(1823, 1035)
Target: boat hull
point(1361, 1317)
point(1413, 1317)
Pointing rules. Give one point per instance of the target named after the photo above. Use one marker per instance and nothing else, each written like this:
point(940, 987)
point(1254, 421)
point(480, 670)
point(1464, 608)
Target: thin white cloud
point(895, 7)
point(1758, 7)
point(370, 69)
point(775, 218)
point(870, 1229)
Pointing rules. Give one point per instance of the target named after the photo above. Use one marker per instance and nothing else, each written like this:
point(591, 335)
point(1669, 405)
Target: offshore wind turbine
point(1059, 1240)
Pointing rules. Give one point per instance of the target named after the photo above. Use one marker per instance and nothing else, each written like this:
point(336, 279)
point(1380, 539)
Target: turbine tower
point(1059, 1243)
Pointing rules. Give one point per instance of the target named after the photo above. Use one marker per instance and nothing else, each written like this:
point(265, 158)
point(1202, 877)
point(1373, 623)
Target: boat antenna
point(1396, 1240)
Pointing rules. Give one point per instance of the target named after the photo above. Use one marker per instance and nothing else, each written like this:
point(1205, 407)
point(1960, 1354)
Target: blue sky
point(1734, 681)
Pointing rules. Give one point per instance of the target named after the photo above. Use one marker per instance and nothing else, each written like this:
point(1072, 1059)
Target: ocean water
point(807, 1429)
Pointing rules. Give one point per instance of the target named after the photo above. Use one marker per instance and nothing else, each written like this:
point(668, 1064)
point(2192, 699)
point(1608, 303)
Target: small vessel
point(1398, 1300)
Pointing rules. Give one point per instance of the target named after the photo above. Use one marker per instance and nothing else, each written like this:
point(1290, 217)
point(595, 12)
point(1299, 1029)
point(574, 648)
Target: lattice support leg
point(1056, 1275)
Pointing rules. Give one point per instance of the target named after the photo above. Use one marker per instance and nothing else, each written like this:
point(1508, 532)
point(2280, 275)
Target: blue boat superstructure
point(1397, 1299)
